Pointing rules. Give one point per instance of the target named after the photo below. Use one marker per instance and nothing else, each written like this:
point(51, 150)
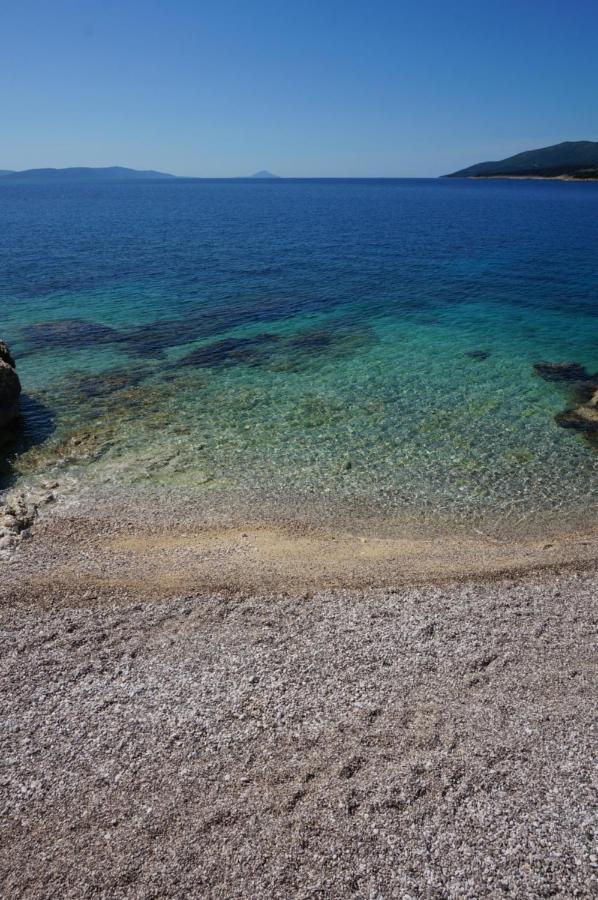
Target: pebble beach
point(432, 737)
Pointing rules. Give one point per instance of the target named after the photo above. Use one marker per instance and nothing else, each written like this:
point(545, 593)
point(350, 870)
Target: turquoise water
point(364, 344)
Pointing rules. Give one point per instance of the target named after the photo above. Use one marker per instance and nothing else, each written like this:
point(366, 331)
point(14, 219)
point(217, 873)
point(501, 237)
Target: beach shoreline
point(155, 543)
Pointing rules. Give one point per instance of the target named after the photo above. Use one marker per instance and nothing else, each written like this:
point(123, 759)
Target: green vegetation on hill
point(573, 159)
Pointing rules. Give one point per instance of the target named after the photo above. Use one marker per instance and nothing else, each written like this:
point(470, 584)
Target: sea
point(367, 346)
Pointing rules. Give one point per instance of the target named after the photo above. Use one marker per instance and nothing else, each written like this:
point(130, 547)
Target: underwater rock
point(10, 387)
point(75, 333)
point(569, 371)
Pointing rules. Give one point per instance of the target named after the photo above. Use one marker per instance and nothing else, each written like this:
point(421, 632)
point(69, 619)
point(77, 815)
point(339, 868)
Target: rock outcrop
point(10, 387)
point(582, 388)
point(6, 356)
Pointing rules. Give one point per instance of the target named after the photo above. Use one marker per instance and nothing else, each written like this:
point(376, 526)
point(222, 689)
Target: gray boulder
point(10, 387)
point(6, 356)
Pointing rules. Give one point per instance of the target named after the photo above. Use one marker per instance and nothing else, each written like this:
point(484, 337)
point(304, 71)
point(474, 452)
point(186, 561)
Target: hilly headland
point(569, 160)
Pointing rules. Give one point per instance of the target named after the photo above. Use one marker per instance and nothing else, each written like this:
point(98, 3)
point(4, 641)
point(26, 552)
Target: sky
point(322, 88)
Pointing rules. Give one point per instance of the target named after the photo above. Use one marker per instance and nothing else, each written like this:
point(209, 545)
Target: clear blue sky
point(308, 87)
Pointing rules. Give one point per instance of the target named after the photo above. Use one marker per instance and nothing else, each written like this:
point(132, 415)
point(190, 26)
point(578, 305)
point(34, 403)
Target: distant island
point(576, 160)
point(89, 173)
point(83, 173)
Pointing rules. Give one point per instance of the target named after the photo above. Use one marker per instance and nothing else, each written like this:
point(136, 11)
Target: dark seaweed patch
point(152, 338)
point(344, 340)
point(229, 351)
point(71, 333)
point(578, 384)
point(155, 337)
point(313, 340)
point(564, 372)
point(280, 354)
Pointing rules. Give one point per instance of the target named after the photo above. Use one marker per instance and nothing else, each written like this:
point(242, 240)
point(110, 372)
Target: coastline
point(157, 543)
point(526, 177)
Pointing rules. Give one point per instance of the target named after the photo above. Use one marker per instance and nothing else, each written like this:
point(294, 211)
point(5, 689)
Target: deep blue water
point(368, 341)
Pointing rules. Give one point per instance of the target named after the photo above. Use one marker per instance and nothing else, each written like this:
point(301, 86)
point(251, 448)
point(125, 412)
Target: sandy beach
point(253, 710)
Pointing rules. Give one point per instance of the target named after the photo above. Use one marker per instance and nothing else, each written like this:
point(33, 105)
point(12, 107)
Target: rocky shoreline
point(582, 392)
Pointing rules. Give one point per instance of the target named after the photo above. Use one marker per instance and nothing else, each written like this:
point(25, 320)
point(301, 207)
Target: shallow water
point(366, 343)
